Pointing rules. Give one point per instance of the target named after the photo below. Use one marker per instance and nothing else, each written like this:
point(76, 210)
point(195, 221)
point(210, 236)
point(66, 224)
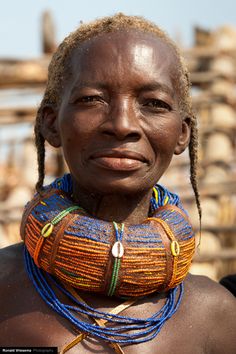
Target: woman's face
point(119, 120)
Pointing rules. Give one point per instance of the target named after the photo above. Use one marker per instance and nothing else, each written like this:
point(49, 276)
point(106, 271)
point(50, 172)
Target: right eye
point(88, 99)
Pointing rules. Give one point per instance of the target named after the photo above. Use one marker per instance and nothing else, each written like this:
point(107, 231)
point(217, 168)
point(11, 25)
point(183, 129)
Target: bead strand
point(142, 330)
point(117, 260)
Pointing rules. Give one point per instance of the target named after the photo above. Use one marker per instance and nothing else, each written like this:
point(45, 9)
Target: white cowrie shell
point(117, 250)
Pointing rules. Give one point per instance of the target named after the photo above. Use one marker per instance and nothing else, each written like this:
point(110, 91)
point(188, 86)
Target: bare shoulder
point(12, 251)
point(215, 306)
point(11, 262)
point(13, 277)
point(208, 291)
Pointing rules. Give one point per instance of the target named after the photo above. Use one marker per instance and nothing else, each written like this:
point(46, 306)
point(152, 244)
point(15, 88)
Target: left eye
point(157, 104)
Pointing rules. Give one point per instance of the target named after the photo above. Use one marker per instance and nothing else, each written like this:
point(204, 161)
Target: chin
point(116, 183)
point(121, 186)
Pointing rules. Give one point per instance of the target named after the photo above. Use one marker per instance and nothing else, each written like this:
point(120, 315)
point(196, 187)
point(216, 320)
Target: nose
point(122, 120)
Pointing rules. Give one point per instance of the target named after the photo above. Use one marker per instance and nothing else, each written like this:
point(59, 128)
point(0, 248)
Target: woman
point(117, 102)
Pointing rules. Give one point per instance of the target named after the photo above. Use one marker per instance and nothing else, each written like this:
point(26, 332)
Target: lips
point(119, 160)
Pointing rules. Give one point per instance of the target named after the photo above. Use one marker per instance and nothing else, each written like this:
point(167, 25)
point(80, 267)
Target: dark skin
point(118, 139)
point(123, 127)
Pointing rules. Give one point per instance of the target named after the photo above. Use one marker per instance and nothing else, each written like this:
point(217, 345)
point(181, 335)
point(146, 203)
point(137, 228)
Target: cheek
point(73, 129)
point(164, 138)
point(73, 141)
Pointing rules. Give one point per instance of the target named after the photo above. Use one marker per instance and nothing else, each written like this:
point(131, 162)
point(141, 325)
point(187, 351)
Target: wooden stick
point(17, 115)
point(207, 52)
point(48, 33)
point(225, 254)
point(18, 73)
point(207, 77)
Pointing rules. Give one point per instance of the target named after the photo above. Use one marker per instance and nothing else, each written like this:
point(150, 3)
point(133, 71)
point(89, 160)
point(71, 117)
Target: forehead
point(118, 52)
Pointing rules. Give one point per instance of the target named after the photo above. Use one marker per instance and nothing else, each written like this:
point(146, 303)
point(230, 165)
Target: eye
point(83, 101)
point(158, 105)
point(89, 99)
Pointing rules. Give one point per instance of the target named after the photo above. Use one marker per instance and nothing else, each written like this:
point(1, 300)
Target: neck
point(131, 209)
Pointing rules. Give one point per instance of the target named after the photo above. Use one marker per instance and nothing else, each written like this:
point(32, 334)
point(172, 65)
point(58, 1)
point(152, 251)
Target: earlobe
point(184, 137)
point(49, 128)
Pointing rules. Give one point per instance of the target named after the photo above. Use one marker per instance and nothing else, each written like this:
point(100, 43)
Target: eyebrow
point(151, 86)
point(93, 85)
point(157, 86)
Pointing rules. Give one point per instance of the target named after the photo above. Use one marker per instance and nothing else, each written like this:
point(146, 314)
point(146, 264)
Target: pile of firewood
point(212, 65)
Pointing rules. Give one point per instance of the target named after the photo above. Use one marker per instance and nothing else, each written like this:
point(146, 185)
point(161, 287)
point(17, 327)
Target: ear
point(49, 126)
point(184, 137)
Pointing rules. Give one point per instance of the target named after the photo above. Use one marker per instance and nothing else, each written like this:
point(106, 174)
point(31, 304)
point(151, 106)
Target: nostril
point(134, 135)
point(121, 135)
point(108, 132)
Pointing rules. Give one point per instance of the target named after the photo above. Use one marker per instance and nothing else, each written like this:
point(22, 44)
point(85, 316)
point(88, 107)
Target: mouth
point(119, 160)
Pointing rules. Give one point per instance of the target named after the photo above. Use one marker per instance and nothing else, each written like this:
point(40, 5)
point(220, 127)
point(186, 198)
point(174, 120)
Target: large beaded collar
point(105, 257)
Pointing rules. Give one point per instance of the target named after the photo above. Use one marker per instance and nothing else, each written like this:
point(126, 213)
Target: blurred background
point(206, 33)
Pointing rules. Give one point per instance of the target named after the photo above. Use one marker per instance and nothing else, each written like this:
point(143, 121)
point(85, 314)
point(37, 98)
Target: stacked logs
point(18, 161)
point(212, 65)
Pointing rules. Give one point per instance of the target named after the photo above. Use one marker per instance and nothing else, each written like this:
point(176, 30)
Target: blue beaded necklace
point(145, 329)
point(122, 329)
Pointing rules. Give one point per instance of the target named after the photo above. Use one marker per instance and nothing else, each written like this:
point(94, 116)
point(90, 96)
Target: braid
point(59, 72)
point(193, 143)
point(193, 156)
point(40, 147)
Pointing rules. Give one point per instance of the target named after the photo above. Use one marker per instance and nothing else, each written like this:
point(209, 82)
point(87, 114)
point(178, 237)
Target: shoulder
point(11, 258)
point(215, 307)
point(12, 251)
point(209, 293)
point(207, 290)
point(12, 269)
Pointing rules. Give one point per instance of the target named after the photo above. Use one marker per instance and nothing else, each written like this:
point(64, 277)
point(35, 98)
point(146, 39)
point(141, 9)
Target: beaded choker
point(85, 253)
